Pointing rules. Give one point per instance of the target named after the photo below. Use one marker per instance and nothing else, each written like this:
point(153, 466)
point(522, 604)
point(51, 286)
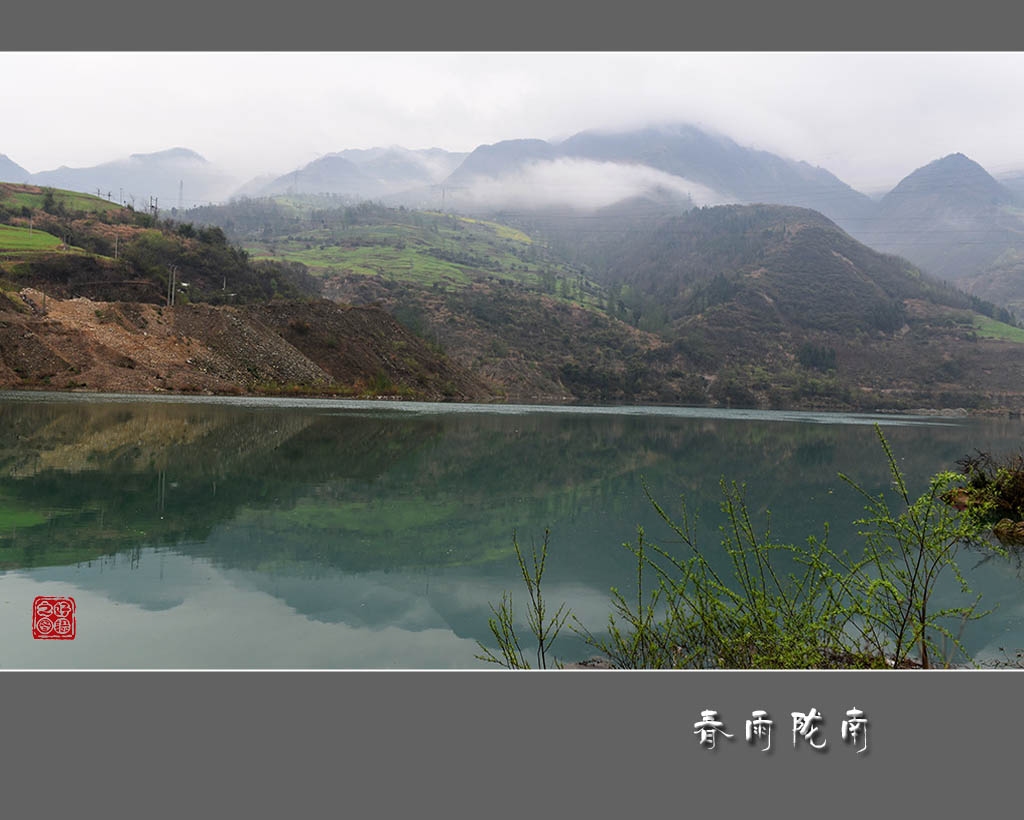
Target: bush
point(831, 611)
point(995, 486)
point(819, 357)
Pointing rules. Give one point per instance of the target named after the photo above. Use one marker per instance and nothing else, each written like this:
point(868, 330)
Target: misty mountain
point(954, 220)
point(331, 174)
point(501, 158)
point(164, 174)
point(255, 186)
point(950, 183)
point(364, 173)
point(400, 168)
point(713, 169)
point(589, 239)
point(767, 269)
point(743, 174)
point(10, 171)
point(755, 305)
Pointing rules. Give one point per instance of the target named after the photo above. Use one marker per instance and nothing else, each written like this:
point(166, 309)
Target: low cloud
point(577, 183)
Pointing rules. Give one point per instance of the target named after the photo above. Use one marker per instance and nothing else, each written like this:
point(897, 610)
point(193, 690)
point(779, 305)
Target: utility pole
point(171, 282)
point(181, 190)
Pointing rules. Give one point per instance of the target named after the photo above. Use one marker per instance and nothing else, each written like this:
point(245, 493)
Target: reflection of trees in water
point(133, 438)
point(164, 486)
point(382, 489)
point(1014, 556)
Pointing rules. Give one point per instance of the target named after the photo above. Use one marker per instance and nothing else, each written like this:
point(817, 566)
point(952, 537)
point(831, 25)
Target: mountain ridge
point(955, 220)
point(10, 171)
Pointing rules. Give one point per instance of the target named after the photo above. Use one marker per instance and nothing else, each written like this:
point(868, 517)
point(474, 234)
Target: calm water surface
point(262, 533)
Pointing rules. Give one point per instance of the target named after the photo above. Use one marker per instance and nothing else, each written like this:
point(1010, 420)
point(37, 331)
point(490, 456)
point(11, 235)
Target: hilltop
point(954, 220)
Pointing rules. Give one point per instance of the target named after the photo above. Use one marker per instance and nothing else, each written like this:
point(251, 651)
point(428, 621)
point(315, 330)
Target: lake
point(275, 533)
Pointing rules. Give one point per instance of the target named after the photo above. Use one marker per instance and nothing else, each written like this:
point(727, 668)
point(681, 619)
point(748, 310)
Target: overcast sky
point(870, 118)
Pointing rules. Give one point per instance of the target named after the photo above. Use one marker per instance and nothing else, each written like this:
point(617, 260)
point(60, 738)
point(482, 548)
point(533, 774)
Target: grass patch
point(397, 264)
point(988, 328)
point(503, 231)
point(33, 196)
point(22, 239)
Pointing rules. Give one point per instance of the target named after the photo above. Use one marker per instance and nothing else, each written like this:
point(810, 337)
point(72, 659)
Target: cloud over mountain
point(576, 183)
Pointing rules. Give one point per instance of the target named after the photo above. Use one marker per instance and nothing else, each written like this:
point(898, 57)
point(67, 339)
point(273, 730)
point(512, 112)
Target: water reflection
point(398, 520)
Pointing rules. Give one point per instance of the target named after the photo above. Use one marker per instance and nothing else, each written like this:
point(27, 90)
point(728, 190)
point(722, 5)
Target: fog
point(870, 118)
point(577, 183)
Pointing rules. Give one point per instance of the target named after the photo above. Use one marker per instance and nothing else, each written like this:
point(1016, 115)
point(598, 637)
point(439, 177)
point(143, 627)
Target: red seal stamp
point(53, 618)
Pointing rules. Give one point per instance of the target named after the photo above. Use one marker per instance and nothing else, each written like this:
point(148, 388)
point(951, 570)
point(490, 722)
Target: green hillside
point(760, 305)
point(991, 329)
point(14, 196)
point(70, 245)
point(423, 248)
point(14, 239)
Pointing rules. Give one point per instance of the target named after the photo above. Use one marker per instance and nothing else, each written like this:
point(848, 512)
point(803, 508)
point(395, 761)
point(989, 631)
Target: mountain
point(778, 304)
point(954, 220)
point(370, 173)
point(744, 174)
point(255, 187)
point(10, 171)
point(715, 167)
point(501, 158)
point(327, 175)
point(398, 168)
point(164, 175)
point(954, 181)
point(793, 267)
point(649, 300)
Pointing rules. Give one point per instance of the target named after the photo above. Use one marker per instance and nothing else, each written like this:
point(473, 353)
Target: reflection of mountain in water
point(311, 493)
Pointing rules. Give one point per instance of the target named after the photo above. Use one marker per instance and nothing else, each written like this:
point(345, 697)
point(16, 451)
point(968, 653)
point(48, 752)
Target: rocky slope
point(134, 347)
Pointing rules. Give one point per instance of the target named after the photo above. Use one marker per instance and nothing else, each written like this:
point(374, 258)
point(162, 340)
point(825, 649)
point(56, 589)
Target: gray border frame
point(527, 25)
point(474, 744)
point(468, 743)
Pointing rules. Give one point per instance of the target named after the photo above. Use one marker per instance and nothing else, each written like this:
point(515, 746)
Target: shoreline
point(512, 401)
